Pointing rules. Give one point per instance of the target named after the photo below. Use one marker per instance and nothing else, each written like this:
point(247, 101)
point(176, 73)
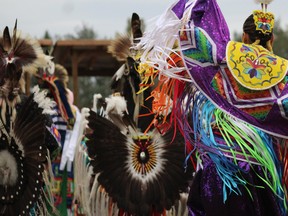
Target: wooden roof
point(82, 57)
point(90, 55)
point(45, 43)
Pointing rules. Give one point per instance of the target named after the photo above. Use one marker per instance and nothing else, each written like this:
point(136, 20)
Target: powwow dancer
point(135, 173)
point(233, 110)
point(55, 79)
point(26, 139)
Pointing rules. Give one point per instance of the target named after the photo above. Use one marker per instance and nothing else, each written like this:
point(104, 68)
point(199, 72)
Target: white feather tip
point(97, 96)
point(263, 1)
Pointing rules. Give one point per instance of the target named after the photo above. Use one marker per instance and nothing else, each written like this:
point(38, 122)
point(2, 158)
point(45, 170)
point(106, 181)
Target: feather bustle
point(109, 153)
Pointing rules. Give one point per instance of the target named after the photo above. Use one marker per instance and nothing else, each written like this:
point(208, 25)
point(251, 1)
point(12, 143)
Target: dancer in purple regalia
point(232, 111)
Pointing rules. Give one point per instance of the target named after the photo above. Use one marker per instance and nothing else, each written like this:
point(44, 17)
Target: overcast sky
point(106, 17)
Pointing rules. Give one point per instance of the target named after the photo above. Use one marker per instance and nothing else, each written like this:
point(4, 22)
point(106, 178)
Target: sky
point(106, 17)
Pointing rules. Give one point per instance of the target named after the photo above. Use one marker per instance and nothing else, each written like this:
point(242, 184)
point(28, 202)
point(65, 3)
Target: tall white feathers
point(162, 40)
point(82, 171)
point(116, 105)
point(44, 102)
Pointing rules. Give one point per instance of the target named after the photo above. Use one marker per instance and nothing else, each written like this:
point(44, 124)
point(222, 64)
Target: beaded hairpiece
point(264, 21)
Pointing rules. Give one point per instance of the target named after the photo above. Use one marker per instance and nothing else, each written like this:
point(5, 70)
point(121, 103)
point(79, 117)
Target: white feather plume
point(159, 42)
point(116, 105)
point(8, 169)
point(50, 65)
point(96, 97)
point(263, 1)
point(44, 102)
point(119, 73)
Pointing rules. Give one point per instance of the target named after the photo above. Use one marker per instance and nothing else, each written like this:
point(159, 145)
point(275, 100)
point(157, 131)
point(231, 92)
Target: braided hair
point(257, 37)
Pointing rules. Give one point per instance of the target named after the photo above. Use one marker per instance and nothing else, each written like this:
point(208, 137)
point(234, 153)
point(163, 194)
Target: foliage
point(88, 86)
point(280, 45)
point(47, 35)
point(83, 32)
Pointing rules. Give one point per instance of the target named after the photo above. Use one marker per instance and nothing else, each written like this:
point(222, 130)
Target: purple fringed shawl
point(206, 195)
point(207, 33)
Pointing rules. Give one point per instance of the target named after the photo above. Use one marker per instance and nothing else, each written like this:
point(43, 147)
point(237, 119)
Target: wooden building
point(82, 57)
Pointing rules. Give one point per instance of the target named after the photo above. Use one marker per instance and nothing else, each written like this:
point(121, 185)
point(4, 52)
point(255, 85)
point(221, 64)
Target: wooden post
point(75, 77)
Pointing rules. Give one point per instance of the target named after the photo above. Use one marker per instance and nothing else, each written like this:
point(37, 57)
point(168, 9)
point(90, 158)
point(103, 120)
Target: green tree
point(82, 32)
point(280, 40)
point(47, 35)
point(88, 86)
point(85, 32)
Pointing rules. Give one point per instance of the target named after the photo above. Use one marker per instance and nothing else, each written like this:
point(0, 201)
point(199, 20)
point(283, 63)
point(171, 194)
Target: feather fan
point(142, 173)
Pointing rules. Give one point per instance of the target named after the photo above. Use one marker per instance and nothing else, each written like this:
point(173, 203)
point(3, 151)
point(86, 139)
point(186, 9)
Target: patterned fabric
point(255, 67)
point(63, 187)
point(223, 122)
point(206, 195)
point(253, 102)
point(197, 47)
point(264, 22)
point(202, 74)
point(57, 119)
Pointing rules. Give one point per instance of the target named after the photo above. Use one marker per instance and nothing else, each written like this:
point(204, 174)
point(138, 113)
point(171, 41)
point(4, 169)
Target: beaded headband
point(264, 21)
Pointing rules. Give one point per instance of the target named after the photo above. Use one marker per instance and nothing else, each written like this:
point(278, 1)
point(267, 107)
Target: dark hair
point(250, 28)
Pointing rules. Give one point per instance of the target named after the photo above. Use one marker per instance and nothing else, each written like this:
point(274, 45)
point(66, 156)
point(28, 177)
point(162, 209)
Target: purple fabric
point(179, 8)
point(206, 196)
point(206, 15)
point(274, 122)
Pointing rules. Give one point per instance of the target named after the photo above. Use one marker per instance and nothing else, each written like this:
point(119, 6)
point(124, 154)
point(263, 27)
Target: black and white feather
point(23, 160)
point(19, 53)
point(141, 173)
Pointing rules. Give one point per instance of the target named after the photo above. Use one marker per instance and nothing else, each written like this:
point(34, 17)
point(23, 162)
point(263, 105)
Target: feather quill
point(7, 40)
point(263, 1)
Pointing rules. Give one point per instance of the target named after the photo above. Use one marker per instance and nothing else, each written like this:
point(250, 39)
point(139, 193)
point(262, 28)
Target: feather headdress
point(121, 46)
point(48, 69)
point(18, 54)
point(21, 51)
